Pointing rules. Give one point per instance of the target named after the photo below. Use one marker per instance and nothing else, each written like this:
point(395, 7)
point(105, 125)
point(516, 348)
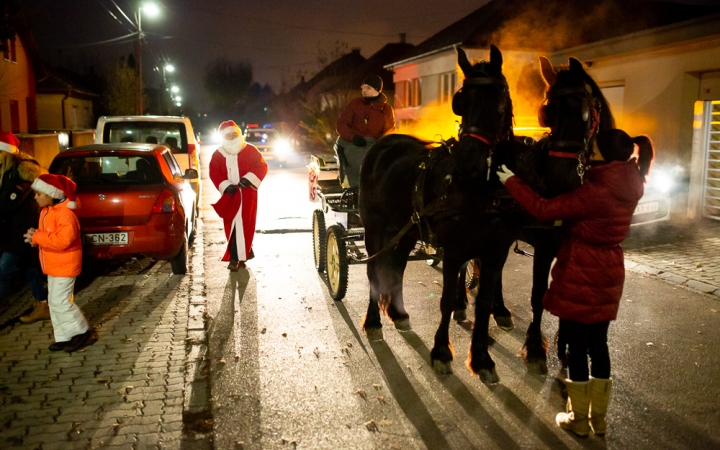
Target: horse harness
point(590, 111)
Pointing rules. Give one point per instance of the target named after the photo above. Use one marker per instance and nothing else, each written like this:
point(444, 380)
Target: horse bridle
point(477, 133)
point(592, 122)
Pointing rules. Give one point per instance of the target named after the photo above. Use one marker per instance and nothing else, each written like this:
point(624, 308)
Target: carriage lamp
point(283, 146)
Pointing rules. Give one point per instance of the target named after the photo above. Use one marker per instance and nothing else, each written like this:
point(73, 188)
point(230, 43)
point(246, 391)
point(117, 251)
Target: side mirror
point(191, 174)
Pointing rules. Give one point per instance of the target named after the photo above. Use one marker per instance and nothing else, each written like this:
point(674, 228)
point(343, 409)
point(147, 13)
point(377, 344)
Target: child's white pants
point(66, 317)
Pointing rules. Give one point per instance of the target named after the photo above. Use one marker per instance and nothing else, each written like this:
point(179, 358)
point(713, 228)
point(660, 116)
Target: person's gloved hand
point(231, 190)
point(244, 182)
point(359, 141)
point(504, 173)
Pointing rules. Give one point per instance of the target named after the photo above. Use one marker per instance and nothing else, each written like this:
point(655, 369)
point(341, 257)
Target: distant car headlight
point(282, 147)
point(216, 137)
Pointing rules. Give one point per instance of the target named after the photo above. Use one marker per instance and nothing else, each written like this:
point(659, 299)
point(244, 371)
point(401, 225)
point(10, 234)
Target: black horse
point(440, 195)
point(575, 111)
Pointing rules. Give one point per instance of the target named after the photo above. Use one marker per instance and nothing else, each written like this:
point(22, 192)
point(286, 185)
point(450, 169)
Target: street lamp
point(151, 10)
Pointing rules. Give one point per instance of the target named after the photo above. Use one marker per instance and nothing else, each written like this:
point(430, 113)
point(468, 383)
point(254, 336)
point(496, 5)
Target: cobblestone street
point(126, 390)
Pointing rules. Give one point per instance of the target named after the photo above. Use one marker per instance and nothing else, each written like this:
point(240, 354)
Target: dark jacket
point(366, 119)
point(18, 208)
point(588, 276)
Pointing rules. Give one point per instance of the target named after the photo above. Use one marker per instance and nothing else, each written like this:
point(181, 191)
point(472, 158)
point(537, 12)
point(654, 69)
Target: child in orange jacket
point(58, 236)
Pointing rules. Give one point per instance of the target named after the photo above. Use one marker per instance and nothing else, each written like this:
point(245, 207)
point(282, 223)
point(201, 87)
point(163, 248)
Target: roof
point(122, 146)
point(143, 119)
point(375, 65)
point(63, 80)
point(341, 67)
point(551, 25)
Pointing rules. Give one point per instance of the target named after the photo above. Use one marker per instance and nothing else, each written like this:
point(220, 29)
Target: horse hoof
point(488, 376)
point(402, 325)
point(460, 315)
point(374, 334)
point(442, 368)
point(505, 322)
point(538, 367)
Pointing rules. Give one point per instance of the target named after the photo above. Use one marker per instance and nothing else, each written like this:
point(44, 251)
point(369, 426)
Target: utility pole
point(138, 66)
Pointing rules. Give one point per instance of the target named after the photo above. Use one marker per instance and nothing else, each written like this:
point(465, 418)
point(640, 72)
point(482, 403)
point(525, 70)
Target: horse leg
point(394, 305)
point(442, 353)
point(371, 323)
point(479, 361)
point(535, 348)
point(502, 315)
point(460, 312)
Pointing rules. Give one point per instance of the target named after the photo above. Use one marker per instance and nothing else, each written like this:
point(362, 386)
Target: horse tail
point(646, 155)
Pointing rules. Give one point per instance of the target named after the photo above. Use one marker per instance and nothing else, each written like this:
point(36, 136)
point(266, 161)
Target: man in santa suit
point(237, 169)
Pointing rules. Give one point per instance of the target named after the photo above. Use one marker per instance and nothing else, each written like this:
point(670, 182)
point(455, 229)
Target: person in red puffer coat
point(588, 276)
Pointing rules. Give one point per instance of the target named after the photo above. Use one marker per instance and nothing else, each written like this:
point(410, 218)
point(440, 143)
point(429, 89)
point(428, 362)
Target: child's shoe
point(41, 311)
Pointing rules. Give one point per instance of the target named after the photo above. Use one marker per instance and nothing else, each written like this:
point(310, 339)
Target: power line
point(124, 15)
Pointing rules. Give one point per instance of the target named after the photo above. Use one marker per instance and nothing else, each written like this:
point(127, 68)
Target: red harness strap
point(479, 138)
point(571, 155)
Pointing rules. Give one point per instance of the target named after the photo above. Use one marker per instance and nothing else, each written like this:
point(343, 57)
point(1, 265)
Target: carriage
point(338, 233)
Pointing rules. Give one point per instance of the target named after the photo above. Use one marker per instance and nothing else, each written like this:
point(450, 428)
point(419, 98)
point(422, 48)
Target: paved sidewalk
point(684, 253)
point(127, 390)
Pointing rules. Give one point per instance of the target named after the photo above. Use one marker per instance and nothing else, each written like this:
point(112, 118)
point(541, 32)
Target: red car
point(133, 200)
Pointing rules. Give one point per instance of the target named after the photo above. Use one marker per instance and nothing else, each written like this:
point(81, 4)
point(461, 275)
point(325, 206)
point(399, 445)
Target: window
point(172, 164)
point(13, 54)
point(448, 83)
point(14, 116)
point(109, 170)
point(6, 49)
point(408, 93)
point(170, 134)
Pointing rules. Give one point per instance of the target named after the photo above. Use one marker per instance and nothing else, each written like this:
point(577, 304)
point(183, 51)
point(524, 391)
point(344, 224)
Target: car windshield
point(171, 134)
point(112, 169)
point(260, 136)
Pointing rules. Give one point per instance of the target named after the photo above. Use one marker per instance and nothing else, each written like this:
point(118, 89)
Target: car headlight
point(663, 178)
point(282, 147)
point(216, 137)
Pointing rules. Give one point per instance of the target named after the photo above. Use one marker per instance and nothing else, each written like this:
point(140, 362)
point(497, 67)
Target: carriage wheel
point(472, 279)
point(319, 239)
point(337, 262)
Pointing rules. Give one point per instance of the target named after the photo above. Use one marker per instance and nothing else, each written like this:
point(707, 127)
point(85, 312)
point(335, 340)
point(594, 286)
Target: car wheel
point(179, 262)
point(193, 224)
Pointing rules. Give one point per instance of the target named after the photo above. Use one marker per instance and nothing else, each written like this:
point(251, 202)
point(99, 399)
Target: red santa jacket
point(366, 119)
point(588, 276)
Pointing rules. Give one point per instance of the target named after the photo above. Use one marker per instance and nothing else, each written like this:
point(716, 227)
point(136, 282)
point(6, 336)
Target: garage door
point(711, 200)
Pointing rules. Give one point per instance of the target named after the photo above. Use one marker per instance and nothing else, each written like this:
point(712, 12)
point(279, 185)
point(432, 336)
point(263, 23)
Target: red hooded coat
point(588, 277)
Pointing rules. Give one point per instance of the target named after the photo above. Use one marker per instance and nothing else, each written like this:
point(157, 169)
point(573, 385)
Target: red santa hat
point(57, 187)
point(224, 127)
point(8, 142)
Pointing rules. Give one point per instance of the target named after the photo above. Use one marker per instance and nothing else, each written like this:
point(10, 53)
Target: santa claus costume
point(237, 169)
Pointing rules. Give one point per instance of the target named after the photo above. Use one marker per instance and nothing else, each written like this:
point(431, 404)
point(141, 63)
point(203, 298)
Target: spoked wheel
point(337, 262)
point(472, 275)
point(319, 239)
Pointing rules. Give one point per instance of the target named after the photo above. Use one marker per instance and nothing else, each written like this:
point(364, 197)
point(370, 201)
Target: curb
point(673, 278)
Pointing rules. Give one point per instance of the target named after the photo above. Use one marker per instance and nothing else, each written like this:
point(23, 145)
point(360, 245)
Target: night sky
point(280, 38)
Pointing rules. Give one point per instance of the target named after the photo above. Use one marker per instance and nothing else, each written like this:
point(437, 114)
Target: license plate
point(646, 208)
point(107, 238)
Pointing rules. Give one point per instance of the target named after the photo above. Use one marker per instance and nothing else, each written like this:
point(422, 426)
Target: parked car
point(268, 140)
point(133, 200)
point(174, 132)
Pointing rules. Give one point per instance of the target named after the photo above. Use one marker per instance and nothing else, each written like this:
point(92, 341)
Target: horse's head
point(484, 104)
point(575, 110)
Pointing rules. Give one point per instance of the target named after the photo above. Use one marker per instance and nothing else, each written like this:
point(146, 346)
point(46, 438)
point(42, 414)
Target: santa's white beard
point(233, 146)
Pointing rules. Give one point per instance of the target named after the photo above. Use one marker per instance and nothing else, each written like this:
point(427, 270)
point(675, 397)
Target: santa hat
point(8, 142)
point(57, 187)
point(224, 127)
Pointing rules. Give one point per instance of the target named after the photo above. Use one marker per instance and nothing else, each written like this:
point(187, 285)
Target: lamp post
point(151, 10)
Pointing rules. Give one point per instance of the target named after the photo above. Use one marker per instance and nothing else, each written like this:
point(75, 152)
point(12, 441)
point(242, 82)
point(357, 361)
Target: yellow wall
point(15, 84)
point(49, 108)
point(49, 111)
point(661, 88)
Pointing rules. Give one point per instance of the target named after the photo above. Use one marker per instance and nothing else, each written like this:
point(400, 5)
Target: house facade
point(662, 81)
point(17, 88)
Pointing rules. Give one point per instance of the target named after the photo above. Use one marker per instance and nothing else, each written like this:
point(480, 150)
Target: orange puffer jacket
point(58, 237)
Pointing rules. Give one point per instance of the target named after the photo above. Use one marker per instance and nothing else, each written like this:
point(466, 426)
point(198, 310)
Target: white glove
point(504, 173)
